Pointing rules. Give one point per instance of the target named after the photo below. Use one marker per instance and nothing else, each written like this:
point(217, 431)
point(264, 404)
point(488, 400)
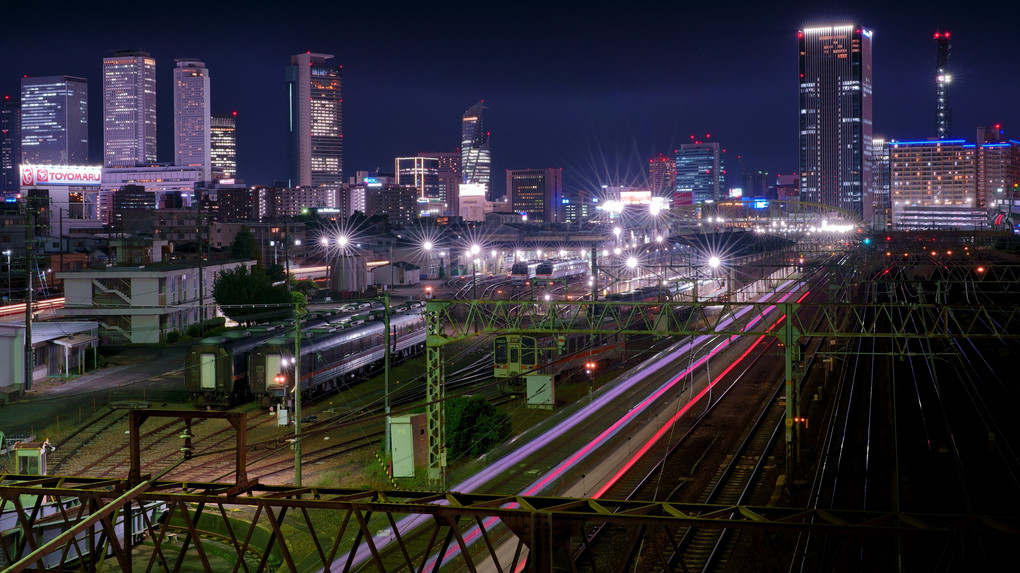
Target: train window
point(500, 350)
point(514, 356)
point(207, 371)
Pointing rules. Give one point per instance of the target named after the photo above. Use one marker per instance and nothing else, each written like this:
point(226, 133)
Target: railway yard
point(903, 438)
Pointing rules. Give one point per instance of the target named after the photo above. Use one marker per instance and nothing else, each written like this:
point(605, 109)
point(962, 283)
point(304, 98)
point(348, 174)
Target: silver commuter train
point(330, 357)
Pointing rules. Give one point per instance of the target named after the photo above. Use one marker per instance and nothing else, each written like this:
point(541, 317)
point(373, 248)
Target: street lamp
point(475, 249)
point(341, 241)
point(427, 247)
point(8, 253)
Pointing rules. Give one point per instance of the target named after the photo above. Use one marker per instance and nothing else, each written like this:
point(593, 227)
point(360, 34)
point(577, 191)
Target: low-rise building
point(140, 305)
point(58, 349)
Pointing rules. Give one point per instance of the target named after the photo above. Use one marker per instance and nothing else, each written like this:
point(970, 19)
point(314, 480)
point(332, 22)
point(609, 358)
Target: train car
point(216, 368)
point(332, 357)
point(522, 272)
point(559, 270)
point(513, 354)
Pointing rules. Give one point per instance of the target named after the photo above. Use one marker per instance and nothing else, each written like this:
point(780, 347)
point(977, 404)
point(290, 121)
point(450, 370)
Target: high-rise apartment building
point(422, 173)
point(998, 166)
point(223, 145)
point(699, 173)
point(192, 120)
point(943, 116)
point(315, 97)
point(54, 120)
point(536, 193)
point(129, 109)
point(475, 158)
point(10, 145)
point(662, 176)
point(931, 174)
point(836, 117)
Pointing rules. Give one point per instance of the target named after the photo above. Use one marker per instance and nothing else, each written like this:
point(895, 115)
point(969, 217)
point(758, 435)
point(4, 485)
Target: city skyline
point(596, 101)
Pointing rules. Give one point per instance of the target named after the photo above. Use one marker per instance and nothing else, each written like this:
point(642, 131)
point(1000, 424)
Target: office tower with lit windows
point(10, 146)
point(475, 158)
point(422, 173)
point(192, 120)
point(932, 183)
point(662, 176)
point(449, 177)
point(54, 120)
point(836, 117)
point(316, 144)
point(943, 116)
point(129, 109)
point(699, 173)
point(880, 182)
point(537, 194)
point(223, 145)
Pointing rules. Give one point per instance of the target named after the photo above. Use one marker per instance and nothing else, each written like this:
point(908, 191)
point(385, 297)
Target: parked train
point(522, 272)
point(558, 270)
point(216, 368)
point(331, 358)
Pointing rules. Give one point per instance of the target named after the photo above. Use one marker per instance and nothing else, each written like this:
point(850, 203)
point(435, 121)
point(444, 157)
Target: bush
point(474, 426)
point(172, 337)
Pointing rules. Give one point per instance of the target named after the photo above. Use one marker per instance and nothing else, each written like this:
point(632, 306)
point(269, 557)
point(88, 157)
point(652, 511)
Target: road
point(152, 374)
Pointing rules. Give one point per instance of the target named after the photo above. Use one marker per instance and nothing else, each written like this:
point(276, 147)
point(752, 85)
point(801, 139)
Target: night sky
point(595, 88)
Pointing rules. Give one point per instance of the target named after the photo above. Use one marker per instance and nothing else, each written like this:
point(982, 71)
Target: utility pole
point(297, 395)
point(201, 270)
point(386, 366)
point(29, 261)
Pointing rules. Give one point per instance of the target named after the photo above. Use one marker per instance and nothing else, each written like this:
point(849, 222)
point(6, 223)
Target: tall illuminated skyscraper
point(10, 147)
point(54, 120)
point(943, 116)
point(700, 173)
point(129, 109)
point(836, 117)
point(475, 159)
point(192, 129)
point(223, 145)
point(315, 97)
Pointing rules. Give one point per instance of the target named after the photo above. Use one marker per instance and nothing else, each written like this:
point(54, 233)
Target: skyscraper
point(315, 97)
point(474, 149)
point(943, 117)
point(662, 176)
point(129, 109)
point(54, 120)
point(836, 117)
point(10, 147)
point(192, 121)
point(223, 145)
point(536, 193)
point(699, 173)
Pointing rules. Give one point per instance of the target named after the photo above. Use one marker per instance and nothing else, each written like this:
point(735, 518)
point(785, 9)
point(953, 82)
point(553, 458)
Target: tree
point(245, 246)
point(474, 426)
point(248, 296)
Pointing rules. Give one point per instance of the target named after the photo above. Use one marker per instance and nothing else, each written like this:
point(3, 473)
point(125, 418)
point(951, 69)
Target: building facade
point(54, 120)
point(662, 176)
point(398, 202)
point(699, 174)
point(939, 174)
point(836, 117)
point(129, 109)
point(223, 146)
point(316, 135)
point(192, 120)
point(475, 157)
point(140, 305)
point(422, 173)
point(10, 146)
point(537, 194)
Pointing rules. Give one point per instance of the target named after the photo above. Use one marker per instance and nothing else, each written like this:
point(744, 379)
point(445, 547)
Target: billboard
point(60, 175)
